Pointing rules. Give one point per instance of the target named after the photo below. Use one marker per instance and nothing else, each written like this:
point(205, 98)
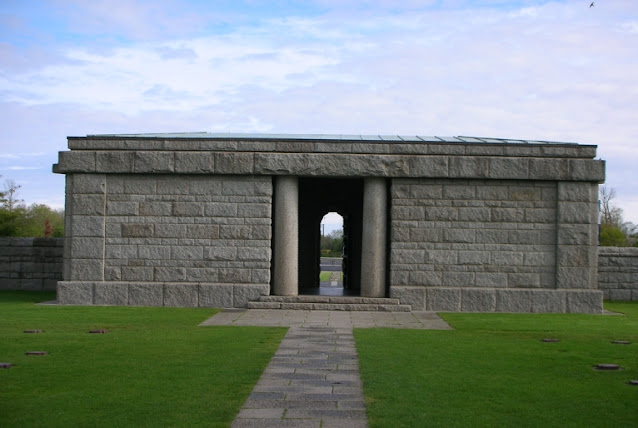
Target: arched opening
point(332, 252)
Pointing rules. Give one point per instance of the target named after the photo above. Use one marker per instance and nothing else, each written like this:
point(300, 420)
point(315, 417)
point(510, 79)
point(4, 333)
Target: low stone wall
point(618, 273)
point(30, 263)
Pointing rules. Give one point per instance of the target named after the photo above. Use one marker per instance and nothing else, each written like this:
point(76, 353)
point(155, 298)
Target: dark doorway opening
point(317, 197)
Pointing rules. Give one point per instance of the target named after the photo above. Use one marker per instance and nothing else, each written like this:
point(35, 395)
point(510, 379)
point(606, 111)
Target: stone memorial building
point(227, 220)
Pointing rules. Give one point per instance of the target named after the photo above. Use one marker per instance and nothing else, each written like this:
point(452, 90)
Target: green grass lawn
point(494, 370)
point(325, 276)
point(155, 367)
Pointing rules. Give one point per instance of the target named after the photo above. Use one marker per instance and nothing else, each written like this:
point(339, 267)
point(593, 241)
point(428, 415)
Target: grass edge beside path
point(494, 370)
point(154, 367)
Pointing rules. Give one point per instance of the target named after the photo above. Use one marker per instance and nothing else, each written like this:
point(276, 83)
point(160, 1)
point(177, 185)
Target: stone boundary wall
point(618, 273)
point(30, 263)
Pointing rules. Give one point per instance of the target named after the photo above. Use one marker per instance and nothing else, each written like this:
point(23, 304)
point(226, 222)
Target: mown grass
point(325, 276)
point(155, 367)
point(494, 370)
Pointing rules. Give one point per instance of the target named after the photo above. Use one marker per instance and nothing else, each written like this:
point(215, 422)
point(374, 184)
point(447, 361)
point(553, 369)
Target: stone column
point(374, 238)
point(286, 237)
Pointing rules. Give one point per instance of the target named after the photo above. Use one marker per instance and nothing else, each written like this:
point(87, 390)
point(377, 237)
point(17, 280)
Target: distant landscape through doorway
point(332, 251)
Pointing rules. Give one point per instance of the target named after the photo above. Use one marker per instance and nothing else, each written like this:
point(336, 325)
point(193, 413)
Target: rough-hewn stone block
point(216, 295)
point(513, 301)
point(181, 295)
point(114, 162)
point(146, 294)
point(443, 299)
point(111, 293)
point(242, 294)
point(478, 300)
point(413, 296)
point(75, 293)
point(154, 162)
point(194, 162)
point(234, 163)
point(584, 301)
point(137, 230)
point(170, 274)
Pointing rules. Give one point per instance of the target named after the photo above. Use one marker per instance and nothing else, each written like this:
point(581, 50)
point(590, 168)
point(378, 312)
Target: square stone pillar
point(577, 240)
point(373, 257)
point(84, 223)
point(286, 237)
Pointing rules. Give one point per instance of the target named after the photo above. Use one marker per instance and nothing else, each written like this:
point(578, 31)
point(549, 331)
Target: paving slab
point(341, 319)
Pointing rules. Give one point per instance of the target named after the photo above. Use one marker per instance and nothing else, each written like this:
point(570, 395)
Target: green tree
point(35, 221)
point(332, 244)
point(612, 236)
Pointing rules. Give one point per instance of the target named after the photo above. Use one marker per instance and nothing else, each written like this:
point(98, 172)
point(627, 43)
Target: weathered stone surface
point(194, 162)
point(513, 300)
point(413, 296)
point(114, 162)
point(478, 300)
point(137, 230)
point(216, 295)
point(75, 293)
point(584, 301)
point(154, 162)
point(181, 295)
point(443, 299)
point(145, 294)
point(111, 293)
point(242, 294)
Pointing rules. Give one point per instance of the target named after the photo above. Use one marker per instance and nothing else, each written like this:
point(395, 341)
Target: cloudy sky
point(548, 70)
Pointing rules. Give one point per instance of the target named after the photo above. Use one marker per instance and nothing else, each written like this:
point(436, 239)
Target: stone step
point(330, 306)
point(330, 303)
point(355, 300)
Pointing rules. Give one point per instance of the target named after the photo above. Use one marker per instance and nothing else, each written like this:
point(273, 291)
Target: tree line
point(332, 244)
point(32, 221)
point(614, 231)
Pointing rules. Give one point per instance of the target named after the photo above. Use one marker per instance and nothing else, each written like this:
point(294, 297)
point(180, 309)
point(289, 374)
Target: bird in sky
point(591, 5)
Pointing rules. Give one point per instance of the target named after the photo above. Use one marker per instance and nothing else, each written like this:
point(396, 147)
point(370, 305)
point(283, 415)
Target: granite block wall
point(30, 263)
point(618, 273)
point(474, 234)
point(493, 245)
point(175, 240)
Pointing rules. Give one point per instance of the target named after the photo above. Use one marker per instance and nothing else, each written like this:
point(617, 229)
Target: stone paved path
point(313, 379)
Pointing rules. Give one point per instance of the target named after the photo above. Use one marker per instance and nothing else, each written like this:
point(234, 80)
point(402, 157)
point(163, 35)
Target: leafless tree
point(9, 200)
point(611, 214)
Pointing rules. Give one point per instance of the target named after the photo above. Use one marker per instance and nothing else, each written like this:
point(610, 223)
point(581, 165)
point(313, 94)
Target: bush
point(612, 236)
point(34, 221)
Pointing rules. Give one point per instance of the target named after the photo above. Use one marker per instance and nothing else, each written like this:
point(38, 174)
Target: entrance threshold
point(328, 291)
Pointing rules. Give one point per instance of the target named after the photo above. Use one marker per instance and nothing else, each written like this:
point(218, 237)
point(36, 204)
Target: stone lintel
point(332, 165)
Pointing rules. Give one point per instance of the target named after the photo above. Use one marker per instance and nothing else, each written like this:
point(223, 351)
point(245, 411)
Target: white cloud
point(540, 70)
